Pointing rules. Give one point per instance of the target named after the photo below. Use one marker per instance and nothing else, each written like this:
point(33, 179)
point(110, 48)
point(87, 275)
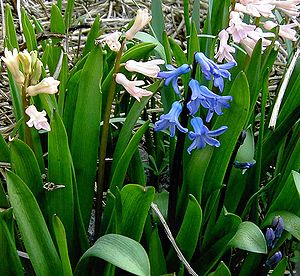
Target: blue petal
point(175, 86)
point(211, 141)
point(198, 126)
point(172, 130)
point(218, 131)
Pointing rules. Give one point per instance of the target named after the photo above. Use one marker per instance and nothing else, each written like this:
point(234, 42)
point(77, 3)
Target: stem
point(103, 143)
point(176, 170)
point(233, 2)
point(25, 103)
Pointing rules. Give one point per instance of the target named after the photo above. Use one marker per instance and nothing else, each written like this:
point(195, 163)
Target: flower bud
point(270, 237)
point(46, 86)
point(25, 59)
point(12, 63)
point(36, 72)
point(272, 261)
point(141, 20)
point(279, 226)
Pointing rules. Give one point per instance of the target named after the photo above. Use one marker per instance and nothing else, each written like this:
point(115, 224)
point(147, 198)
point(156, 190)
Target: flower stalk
point(176, 170)
point(103, 143)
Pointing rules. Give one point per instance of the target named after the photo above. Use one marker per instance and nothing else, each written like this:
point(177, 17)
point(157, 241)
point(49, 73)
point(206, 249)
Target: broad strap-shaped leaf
point(188, 235)
point(28, 31)
point(84, 142)
point(10, 29)
point(25, 165)
point(4, 150)
point(288, 198)
point(250, 238)
point(61, 240)
point(119, 172)
point(157, 22)
point(60, 201)
point(136, 201)
point(156, 254)
point(33, 229)
point(222, 270)
point(238, 109)
point(92, 36)
point(10, 261)
point(120, 251)
point(280, 268)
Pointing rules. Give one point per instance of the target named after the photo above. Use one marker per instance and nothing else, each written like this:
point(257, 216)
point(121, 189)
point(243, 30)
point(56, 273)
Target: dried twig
point(172, 240)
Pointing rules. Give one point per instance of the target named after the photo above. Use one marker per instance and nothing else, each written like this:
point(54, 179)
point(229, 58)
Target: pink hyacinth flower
point(132, 87)
point(149, 68)
point(285, 31)
point(112, 41)
point(237, 28)
point(256, 8)
point(289, 7)
point(37, 119)
point(141, 20)
point(225, 50)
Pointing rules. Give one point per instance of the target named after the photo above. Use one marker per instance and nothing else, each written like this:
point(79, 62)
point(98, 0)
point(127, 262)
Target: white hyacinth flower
point(112, 41)
point(46, 86)
point(11, 60)
point(149, 68)
point(37, 119)
point(141, 20)
point(256, 8)
point(131, 87)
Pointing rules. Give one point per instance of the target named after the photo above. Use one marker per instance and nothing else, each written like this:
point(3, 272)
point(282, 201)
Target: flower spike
point(170, 120)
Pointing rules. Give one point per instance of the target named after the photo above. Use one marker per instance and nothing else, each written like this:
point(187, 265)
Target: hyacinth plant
point(145, 157)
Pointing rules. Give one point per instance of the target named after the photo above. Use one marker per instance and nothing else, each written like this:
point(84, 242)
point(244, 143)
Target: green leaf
point(120, 251)
point(284, 201)
point(92, 36)
point(156, 254)
point(69, 13)
point(123, 162)
point(4, 150)
point(28, 31)
point(222, 270)
point(84, 144)
point(157, 22)
point(216, 240)
point(187, 237)
point(221, 156)
point(136, 202)
point(130, 121)
point(10, 30)
point(60, 236)
point(25, 165)
point(10, 261)
point(186, 15)
point(60, 201)
point(250, 238)
point(57, 24)
point(33, 229)
point(291, 222)
point(196, 14)
point(3, 198)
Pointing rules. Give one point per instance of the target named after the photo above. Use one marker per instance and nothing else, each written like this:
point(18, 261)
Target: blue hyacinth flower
point(173, 74)
point(170, 120)
point(202, 95)
point(202, 135)
point(219, 71)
